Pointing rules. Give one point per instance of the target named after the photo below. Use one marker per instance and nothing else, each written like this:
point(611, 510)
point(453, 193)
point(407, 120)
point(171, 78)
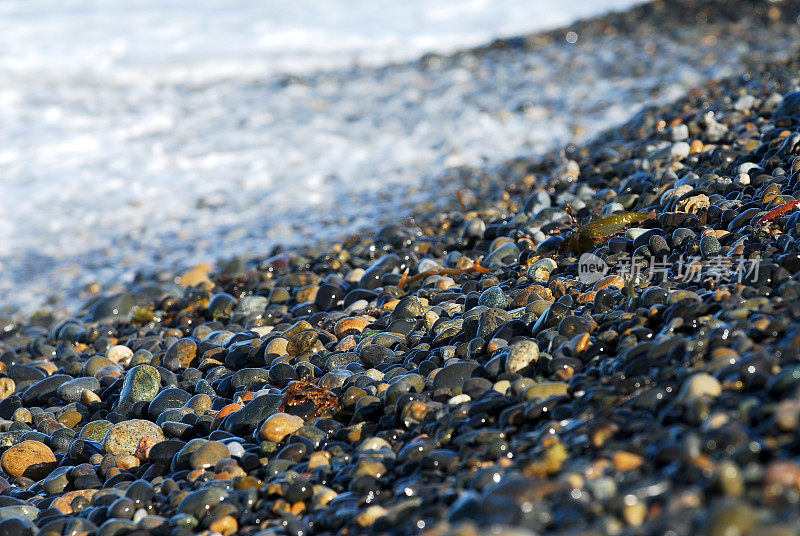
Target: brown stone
point(89, 397)
point(610, 281)
point(350, 326)
point(627, 461)
point(7, 387)
point(144, 446)
point(225, 525)
point(64, 502)
point(31, 459)
point(127, 462)
point(70, 419)
point(198, 274)
point(119, 353)
point(348, 343)
point(278, 346)
point(319, 459)
point(224, 412)
point(279, 425)
point(307, 294)
point(208, 455)
point(302, 342)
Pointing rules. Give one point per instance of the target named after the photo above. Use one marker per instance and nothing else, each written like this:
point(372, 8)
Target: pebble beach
point(590, 329)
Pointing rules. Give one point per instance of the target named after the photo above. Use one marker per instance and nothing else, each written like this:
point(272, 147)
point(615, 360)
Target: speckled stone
point(142, 384)
point(124, 438)
point(30, 459)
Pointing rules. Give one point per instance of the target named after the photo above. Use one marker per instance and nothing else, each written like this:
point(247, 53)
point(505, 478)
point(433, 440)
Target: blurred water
point(152, 41)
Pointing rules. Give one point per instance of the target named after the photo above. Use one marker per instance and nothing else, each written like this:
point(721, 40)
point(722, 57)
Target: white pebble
point(119, 353)
point(459, 399)
point(236, 449)
point(700, 385)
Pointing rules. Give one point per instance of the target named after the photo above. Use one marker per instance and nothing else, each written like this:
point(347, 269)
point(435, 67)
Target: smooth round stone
point(225, 525)
point(372, 276)
point(374, 443)
point(302, 342)
point(29, 459)
point(180, 355)
point(72, 390)
point(699, 385)
point(24, 373)
point(246, 419)
point(341, 360)
point(281, 374)
point(41, 391)
point(279, 295)
point(16, 527)
point(181, 459)
point(474, 228)
point(678, 295)
point(493, 297)
point(312, 433)
point(221, 306)
point(185, 521)
point(730, 479)
point(141, 357)
point(97, 363)
point(409, 307)
point(452, 376)
point(634, 232)
point(328, 296)
point(171, 398)
point(250, 378)
point(57, 481)
point(299, 490)
point(459, 399)
point(116, 526)
point(122, 508)
point(654, 296)
point(235, 449)
point(17, 509)
point(789, 106)
point(112, 308)
point(681, 235)
point(208, 455)
point(198, 503)
point(163, 452)
point(142, 383)
point(537, 201)
point(502, 256)
point(119, 353)
point(279, 425)
point(124, 438)
point(521, 355)
point(574, 325)
point(83, 449)
point(175, 429)
point(373, 355)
